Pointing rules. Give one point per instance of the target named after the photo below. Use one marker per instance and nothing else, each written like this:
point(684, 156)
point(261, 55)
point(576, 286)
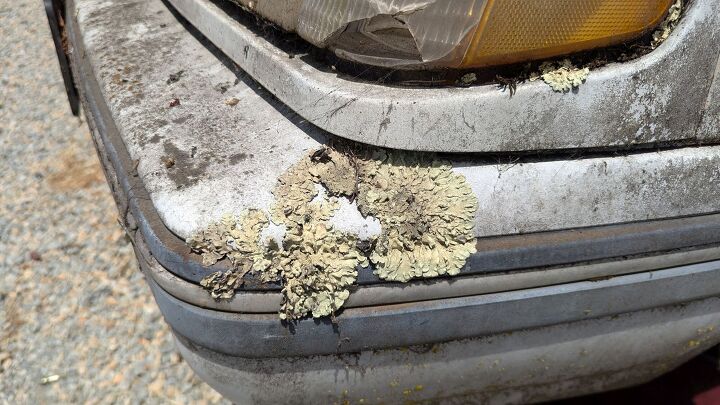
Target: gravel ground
point(74, 304)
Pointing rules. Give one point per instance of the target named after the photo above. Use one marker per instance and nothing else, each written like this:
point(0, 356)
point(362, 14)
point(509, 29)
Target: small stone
point(50, 379)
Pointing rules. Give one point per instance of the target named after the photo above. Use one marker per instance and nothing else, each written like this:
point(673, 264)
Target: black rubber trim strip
point(55, 13)
point(427, 322)
point(495, 254)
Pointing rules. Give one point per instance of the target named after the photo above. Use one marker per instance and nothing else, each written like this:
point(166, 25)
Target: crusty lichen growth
point(336, 171)
point(561, 76)
point(426, 211)
point(316, 263)
point(318, 267)
point(238, 240)
point(668, 25)
point(294, 190)
point(222, 285)
point(235, 238)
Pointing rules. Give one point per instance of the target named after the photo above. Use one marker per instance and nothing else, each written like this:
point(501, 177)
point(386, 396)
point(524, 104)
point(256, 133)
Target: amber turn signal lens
point(513, 31)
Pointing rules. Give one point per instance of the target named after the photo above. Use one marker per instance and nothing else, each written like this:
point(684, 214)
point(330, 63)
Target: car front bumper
point(531, 318)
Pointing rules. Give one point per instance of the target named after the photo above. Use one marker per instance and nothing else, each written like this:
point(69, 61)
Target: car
point(369, 202)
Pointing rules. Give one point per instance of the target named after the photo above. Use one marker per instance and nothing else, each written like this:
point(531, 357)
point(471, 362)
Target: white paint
point(481, 118)
point(267, 139)
point(321, 195)
point(273, 232)
point(349, 219)
point(137, 31)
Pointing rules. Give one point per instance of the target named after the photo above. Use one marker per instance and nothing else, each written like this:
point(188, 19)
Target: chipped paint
point(348, 218)
point(412, 208)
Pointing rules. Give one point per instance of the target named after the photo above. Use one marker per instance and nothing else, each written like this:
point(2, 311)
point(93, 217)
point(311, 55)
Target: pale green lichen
point(561, 76)
point(336, 171)
point(467, 79)
point(668, 25)
point(235, 238)
point(319, 266)
point(426, 212)
point(238, 240)
point(222, 285)
point(294, 190)
point(316, 263)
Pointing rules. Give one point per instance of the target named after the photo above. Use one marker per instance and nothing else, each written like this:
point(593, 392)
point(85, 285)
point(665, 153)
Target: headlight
point(471, 33)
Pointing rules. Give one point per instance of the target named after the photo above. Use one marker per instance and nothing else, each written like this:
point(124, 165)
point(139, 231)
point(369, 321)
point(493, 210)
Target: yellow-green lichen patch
point(319, 266)
point(668, 25)
point(235, 238)
point(222, 285)
point(426, 212)
point(316, 263)
point(336, 171)
point(561, 76)
point(238, 240)
point(294, 190)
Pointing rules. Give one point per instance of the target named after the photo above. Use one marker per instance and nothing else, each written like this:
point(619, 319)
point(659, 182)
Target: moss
point(562, 76)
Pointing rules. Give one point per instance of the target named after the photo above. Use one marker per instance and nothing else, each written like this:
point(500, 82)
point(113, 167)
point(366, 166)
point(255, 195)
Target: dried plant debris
point(668, 25)
point(425, 209)
point(561, 76)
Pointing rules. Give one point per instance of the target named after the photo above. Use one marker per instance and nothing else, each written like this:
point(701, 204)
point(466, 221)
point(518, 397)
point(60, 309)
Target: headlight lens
point(471, 33)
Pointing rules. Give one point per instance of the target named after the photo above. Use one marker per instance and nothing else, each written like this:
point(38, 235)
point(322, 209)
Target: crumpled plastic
point(437, 27)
